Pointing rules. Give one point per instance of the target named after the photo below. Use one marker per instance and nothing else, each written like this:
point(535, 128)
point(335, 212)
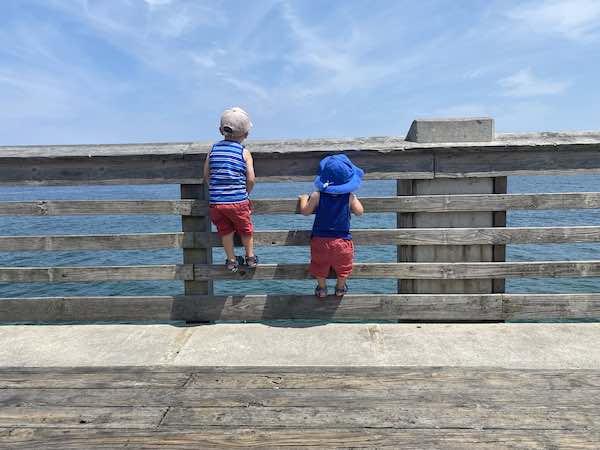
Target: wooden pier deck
point(299, 407)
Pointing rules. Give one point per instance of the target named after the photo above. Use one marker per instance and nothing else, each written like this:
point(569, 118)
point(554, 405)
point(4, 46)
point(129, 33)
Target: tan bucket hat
point(235, 122)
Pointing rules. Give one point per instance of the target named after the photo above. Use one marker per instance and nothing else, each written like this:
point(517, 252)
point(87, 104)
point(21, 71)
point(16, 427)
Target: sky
point(116, 71)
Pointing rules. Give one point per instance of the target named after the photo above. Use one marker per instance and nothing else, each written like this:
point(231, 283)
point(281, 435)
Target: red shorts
point(328, 253)
point(230, 217)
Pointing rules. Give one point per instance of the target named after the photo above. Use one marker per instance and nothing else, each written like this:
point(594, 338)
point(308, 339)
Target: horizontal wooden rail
point(424, 236)
point(96, 242)
point(434, 307)
point(380, 157)
point(300, 271)
point(427, 271)
point(421, 203)
point(97, 207)
point(452, 203)
point(104, 273)
point(406, 236)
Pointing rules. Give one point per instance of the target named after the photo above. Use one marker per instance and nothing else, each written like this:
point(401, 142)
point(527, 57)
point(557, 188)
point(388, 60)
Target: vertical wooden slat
point(405, 253)
point(196, 255)
point(499, 220)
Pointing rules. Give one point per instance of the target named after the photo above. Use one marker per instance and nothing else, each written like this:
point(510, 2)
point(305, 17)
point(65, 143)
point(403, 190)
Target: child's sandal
point(252, 261)
point(321, 292)
point(232, 265)
point(340, 292)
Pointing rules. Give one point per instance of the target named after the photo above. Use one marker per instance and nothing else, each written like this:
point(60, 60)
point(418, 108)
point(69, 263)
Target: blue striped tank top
point(227, 182)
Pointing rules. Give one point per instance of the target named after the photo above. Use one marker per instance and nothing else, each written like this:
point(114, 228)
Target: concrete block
point(477, 129)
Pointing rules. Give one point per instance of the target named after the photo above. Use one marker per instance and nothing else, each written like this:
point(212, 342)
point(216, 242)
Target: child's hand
point(302, 197)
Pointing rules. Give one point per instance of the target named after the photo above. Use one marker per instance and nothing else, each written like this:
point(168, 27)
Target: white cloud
point(575, 19)
point(525, 84)
point(340, 62)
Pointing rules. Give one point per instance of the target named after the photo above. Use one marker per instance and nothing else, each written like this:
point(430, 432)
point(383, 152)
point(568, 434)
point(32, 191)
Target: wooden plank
point(96, 207)
point(451, 253)
point(87, 309)
point(388, 415)
point(93, 242)
point(551, 306)
point(424, 271)
point(494, 162)
point(93, 377)
point(113, 273)
point(499, 220)
point(316, 438)
point(405, 204)
point(435, 307)
point(294, 377)
point(414, 236)
point(385, 378)
point(404, 251)
point(388, 157)
point(405, 398)
point(314, 407)
point(126, 417)
point(196, 254)
point(351, 307)
point(451, 203)
point(507, 142)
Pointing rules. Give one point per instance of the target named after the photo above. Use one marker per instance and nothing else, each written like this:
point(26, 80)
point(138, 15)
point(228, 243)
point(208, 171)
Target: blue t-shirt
point(332, 218)
point(227, 182)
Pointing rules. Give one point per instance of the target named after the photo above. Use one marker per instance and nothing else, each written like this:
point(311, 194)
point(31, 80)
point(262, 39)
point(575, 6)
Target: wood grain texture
point(386, 157)
point(470, 252)
point(404, 204)
point(414, 236)
point(319, 438)
point(299, 407)
point(196, 254)
point(101, 273)
point(451, 203)
point(97, 207)
point(499, 220)
point(425, 307)
point(425, 271)
point(404, 416)
point(81, 417)
point(95, 242)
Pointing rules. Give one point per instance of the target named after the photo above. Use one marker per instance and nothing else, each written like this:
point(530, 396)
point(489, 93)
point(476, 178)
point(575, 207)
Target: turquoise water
point(13, 226)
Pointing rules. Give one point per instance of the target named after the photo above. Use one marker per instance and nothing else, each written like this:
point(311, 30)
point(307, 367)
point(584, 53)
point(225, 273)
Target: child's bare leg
point(322, 282)
point(228, 246)
point(341, 282)
point(248, 241)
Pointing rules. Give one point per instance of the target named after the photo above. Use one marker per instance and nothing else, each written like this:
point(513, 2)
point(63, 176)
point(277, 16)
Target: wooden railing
point(382, 158)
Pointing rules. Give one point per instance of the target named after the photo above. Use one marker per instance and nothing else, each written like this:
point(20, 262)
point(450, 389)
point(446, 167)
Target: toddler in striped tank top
point(229, 171)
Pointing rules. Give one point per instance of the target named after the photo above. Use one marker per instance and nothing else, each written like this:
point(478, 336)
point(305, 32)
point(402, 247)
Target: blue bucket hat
point(337, 175)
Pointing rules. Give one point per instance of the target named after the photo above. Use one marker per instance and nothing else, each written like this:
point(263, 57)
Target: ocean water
point(15, 226)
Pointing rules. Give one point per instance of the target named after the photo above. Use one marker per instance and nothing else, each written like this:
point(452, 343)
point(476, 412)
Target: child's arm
point(206, 169)
point(308, 204)
point(250, 177)
point(356, 206)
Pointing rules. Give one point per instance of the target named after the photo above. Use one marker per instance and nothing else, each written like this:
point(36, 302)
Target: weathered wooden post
point(197, 254)
point(451, 130)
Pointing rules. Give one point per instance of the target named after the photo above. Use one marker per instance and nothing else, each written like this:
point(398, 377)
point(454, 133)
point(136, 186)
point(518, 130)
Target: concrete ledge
point(476, 129)
point(535, 346)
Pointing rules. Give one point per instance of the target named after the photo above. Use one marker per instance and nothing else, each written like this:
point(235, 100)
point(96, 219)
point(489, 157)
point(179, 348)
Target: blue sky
point(102, 71)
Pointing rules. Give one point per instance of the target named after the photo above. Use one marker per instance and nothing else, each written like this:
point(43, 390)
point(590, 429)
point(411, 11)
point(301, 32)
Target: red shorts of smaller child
point(230, 217)
point(327, 253)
